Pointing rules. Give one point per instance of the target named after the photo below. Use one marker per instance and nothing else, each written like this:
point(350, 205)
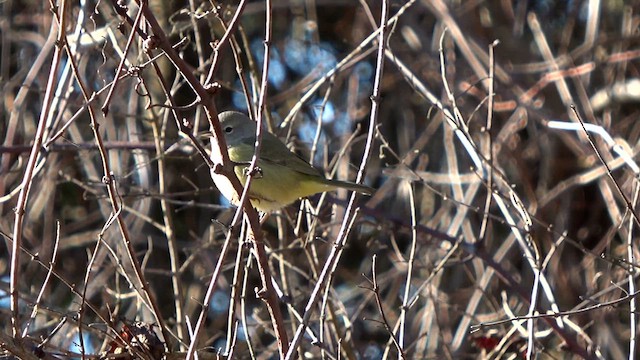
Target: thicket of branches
point(500, 137)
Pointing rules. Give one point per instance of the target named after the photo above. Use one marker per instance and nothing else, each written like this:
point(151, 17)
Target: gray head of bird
point(237, 127)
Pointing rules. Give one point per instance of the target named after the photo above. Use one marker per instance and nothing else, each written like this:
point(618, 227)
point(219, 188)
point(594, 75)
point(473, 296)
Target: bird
point(282, 177)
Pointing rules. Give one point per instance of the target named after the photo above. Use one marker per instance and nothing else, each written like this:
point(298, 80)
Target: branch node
point(213, 87)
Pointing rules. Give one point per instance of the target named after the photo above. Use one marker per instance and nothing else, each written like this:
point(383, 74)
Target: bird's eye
point(228, 129)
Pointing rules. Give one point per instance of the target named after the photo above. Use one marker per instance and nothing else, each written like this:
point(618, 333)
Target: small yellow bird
point(284, 176)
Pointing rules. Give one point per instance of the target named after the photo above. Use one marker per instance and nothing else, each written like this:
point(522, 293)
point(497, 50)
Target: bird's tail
point(363, 189)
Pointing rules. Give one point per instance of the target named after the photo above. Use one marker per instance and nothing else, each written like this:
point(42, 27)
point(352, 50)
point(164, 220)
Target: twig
point(628, 204)
point(234, 297)
point(27, 179)
point(412, 254)
point(52, 264)
point(135, 25)
point(167, 217)
point(110, 145)
point(376, 292)
point(553, 315)
point(243, 308)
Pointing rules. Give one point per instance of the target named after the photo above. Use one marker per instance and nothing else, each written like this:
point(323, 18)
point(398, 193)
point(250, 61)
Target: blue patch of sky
point(219, 302)
point(242, 334)
point(277, 72)
point(5, 299)
point(335, 124)
point(342, 124)
point(237, 97)
point(223, 201)
point(328, 113)
point(75, 347)
point(337, 121)
point(371, 352)
point(303, 57)
point(220, 344)
point(307, 133)
point(364, 72)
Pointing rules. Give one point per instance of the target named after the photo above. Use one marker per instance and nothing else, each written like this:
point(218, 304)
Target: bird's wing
point(274, 152)
point(278, 153)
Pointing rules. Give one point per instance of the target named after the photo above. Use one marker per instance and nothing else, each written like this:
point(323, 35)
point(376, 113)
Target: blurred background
point(503, 158)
